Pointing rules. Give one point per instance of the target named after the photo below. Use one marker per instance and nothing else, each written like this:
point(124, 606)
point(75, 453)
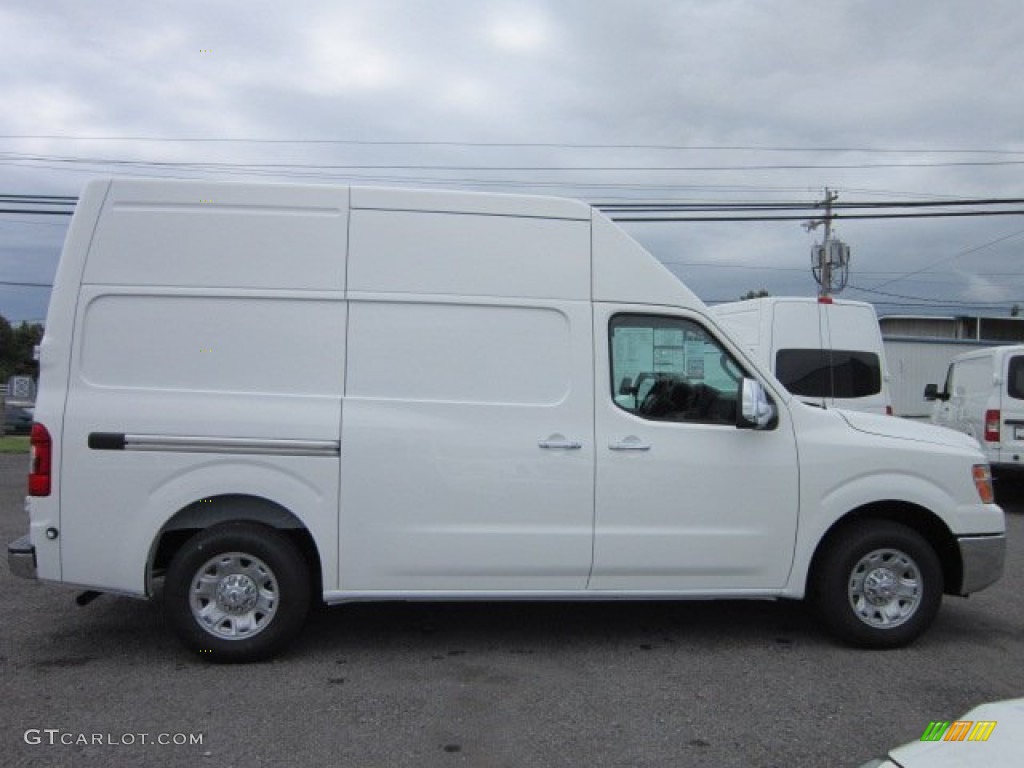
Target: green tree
point(7, 351)
point(16, 349)
point(26, 338)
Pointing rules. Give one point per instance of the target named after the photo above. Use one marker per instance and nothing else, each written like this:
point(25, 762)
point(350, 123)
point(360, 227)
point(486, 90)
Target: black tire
point(253, 600)
point(878, 584)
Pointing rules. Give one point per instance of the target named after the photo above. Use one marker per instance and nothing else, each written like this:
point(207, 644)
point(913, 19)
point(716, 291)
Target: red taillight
point(992, 426)
point(40, 461)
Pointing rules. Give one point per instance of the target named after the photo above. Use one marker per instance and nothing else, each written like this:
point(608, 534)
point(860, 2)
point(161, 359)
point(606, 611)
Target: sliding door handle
point(630, 445)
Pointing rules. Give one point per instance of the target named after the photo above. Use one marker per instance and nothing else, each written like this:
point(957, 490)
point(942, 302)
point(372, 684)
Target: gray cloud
point(849, 75)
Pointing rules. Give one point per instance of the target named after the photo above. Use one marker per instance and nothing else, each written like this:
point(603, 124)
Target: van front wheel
point(878, 585)
point(237, 592)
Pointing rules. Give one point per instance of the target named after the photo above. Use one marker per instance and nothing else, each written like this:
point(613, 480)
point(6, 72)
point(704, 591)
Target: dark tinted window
point(829, 373)
point(1015, 383)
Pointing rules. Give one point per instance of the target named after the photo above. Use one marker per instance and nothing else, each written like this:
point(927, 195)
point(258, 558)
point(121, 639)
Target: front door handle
point(560, 444)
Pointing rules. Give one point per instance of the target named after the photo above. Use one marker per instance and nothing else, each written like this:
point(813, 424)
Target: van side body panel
point(155, 233)
point(467, 444)
point(624, 272)
point(213, 362)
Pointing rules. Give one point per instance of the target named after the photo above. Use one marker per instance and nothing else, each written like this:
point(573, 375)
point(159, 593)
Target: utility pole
point(824, 264)
point(830, 260)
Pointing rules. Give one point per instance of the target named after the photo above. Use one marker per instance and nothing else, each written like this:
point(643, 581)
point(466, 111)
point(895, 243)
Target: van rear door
point(1012, 410)
point(800, 357)
point(856, 361)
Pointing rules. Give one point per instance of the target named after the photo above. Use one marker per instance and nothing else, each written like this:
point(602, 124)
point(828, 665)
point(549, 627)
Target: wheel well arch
point(230, 508)
point(917, 518)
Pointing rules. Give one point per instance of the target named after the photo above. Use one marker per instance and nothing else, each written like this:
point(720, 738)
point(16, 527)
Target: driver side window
point(670, 369)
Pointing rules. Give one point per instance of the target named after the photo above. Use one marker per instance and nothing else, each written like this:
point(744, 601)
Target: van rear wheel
point(878, 585)
point(237, 592)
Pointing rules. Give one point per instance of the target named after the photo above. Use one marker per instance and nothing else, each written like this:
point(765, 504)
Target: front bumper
point(982, 558)
point(21, 558)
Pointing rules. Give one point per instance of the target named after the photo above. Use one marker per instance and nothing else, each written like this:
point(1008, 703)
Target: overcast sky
point(685, 100)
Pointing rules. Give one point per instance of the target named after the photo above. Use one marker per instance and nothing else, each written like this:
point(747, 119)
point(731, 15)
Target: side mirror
point(932, 393)
point(626, 387)
point(755, 411)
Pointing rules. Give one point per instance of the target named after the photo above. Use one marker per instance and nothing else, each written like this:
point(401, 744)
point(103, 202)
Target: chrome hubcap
point(237, 594)
point(234, 596)
point(885, 588)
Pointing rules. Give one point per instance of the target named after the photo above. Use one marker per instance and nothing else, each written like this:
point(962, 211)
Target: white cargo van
point(983, 396)
point(264, 395)
point(822, 350)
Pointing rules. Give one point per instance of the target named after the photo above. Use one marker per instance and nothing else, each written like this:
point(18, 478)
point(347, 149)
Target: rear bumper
point(21, 558)
point(982, 558)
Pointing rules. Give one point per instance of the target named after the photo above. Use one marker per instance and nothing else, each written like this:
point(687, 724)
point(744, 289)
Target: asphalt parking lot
point(653, 684)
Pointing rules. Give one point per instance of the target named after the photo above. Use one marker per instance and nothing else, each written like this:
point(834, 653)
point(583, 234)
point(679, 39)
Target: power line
point(928, 304)
point(39, 199)
point(679, 207)
point(683, 212)
point(675, 206)
point(865, 273)
point(757, 269)
point(31, 212)
point(846, 217)
point(25, 223)
point(417, 180)
point(43, 205)
point(946, 259)
point(731, 266)
point(671, 212)
point(517, 145)
point(505, 168)
point(925, 298)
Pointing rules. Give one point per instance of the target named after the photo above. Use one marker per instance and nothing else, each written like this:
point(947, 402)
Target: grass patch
point(14, 444)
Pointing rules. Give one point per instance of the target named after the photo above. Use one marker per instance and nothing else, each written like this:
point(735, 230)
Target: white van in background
point(265, 395)
point(983, 397)
point(827, 351)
